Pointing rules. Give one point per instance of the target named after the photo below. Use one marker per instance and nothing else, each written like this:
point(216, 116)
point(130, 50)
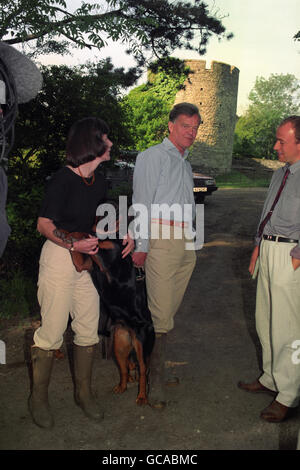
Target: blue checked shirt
point(162, 176)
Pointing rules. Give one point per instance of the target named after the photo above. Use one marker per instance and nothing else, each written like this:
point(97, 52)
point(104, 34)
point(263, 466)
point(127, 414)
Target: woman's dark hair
point(85, 141)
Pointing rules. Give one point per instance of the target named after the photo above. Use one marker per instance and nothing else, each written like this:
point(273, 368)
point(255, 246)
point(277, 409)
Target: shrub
point(18, 294)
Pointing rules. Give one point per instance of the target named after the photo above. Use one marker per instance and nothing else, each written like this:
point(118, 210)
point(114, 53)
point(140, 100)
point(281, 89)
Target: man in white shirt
point(277, 253)
point(163, 178)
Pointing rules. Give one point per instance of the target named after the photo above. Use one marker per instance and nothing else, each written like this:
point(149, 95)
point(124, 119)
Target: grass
point(236, 179)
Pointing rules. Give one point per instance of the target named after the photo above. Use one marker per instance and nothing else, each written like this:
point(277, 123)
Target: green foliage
point(24, 243)
point(148, 105)
point(159, 26)
point(68, 94)
point(279, 92)
point(18, 296)
point(270, 101)
point(236, 179)
point(255, 133)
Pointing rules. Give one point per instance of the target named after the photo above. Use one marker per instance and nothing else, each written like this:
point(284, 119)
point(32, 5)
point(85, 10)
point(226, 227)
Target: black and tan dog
point(124, 310)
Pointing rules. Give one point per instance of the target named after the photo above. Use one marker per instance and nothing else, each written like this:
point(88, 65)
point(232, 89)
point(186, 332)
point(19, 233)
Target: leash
point(139, 273)
point(68, 237)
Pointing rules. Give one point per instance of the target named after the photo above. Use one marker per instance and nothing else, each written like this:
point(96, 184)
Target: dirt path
point(212, 346)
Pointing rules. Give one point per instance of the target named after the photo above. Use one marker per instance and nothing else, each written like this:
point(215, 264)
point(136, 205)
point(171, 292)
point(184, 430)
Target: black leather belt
point(274, 238)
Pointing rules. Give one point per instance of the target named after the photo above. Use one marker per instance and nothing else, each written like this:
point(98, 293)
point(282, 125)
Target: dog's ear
point(78, 235)
point(106, 245)
point(98, 260)
point(81, 261)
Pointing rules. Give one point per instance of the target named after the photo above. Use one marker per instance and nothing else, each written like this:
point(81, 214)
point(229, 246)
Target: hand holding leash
point(88, 246)
point(139, 258)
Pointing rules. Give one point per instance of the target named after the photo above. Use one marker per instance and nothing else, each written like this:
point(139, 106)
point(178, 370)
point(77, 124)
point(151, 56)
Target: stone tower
point(214, 91)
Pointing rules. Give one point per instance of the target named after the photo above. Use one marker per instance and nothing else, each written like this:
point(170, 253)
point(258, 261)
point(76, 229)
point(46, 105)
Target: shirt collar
point(170, 146)
point(293, 168)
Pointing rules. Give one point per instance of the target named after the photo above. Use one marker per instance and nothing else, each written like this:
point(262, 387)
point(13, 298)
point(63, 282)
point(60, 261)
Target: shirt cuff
point(257, 240)
point(141, 245)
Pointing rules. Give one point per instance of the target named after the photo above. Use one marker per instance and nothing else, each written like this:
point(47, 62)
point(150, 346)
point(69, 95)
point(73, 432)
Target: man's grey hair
point(188, 109)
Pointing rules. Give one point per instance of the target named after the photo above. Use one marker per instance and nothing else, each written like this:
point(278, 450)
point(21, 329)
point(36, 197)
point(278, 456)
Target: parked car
point(204, 185)
point(123, 164)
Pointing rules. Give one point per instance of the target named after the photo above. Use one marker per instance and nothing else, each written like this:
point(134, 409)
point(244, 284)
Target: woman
point(71, 200)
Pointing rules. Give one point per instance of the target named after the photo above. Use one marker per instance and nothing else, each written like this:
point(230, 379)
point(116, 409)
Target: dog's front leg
point(122, 349)
point(142, 395)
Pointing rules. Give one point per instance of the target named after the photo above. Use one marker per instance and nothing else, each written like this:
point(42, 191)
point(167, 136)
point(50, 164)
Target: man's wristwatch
point(72, 246)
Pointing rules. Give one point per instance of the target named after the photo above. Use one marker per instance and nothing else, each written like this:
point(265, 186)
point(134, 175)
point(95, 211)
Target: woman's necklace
point(84, 179)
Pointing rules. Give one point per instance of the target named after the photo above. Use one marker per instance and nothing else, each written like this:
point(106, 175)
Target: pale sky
point(263, 42)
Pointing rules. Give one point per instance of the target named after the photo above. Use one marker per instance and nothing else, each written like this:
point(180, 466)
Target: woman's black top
point(70, 203)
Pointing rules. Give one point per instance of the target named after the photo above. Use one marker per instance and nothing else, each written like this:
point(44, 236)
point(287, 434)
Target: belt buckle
point(270, 237)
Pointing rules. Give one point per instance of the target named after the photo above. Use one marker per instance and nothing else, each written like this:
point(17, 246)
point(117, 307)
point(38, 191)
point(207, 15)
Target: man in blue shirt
point(163, 185)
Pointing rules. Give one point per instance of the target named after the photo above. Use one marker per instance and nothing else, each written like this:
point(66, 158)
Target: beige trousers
point(62, 291)
point(278, 320)
point(168, 268)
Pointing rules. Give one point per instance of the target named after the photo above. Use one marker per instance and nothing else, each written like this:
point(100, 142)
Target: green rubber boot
point(83, 364)
point(42, 362)
point(156, 394)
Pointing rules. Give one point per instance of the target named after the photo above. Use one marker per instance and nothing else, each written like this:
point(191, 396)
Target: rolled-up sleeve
point(145, 179)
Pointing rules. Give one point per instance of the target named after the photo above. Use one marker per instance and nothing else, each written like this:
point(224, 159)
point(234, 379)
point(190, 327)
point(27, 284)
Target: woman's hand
point(130, 245)
point(88, 246)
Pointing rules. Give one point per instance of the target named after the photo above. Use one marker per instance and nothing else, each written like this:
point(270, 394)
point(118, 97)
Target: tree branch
point(58, 25)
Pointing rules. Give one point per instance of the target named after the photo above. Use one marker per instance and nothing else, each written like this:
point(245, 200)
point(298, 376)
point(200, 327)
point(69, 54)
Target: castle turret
point(214, 91)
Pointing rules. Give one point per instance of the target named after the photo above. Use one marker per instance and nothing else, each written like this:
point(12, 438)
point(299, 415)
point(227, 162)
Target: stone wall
point(214, 91)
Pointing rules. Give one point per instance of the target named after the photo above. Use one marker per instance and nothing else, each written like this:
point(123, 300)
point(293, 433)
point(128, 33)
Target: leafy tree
point(271, 100)
point(159, 26)
point(280, 92)
point(148, 105)
point(68, 94)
